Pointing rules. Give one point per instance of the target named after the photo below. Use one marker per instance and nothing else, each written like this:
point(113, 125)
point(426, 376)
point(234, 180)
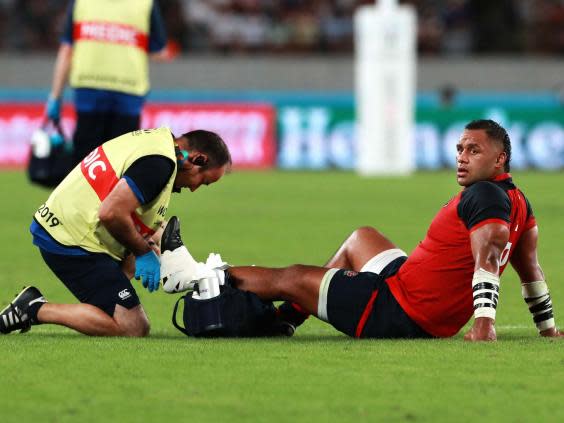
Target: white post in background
point(385, 59)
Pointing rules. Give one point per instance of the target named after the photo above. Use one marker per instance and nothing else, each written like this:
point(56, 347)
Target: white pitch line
point(513, 327)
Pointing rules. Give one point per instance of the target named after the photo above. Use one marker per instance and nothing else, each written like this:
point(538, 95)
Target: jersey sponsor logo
point(99, 173)
point(350, 273)
point(124, 294)
point(110, 32)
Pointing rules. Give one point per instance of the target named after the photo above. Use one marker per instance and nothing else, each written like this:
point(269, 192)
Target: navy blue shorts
point(95, 279)
point(361, 305)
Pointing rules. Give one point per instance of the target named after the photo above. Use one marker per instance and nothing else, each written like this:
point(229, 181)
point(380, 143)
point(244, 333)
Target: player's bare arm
point(488, 243)
point(115, 214)
point(533, 285)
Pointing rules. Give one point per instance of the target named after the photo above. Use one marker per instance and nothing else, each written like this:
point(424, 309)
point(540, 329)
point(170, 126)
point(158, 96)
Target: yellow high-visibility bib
point(110, 48)
point(70, 215)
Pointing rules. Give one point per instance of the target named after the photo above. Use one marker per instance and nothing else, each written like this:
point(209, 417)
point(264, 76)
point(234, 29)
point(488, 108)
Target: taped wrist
point(485, 288)
point(537, 297)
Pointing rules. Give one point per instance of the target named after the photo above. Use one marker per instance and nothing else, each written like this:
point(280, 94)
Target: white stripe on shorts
point(323, 292)
point(377, 263)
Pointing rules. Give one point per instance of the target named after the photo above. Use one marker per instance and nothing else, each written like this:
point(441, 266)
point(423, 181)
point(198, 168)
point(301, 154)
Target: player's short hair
point(210, 144)
point(496, 132)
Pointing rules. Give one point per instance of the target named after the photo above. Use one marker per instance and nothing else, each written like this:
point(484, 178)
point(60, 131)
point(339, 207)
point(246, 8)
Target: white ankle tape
point(215, 263)
point(178, 270)
point(220, 276)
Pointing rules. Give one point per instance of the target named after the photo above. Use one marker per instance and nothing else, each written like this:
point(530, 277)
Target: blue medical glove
point(148, 269)
point(53, 109)
point(56, 139)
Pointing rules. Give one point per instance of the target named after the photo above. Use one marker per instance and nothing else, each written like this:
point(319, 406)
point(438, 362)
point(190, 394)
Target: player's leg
point(343, 298)
point(360, 247)
point(366, 249)
point(361, 304)
point(299, 283)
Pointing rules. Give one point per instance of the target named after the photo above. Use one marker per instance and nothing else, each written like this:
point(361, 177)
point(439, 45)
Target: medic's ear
point(198, 160)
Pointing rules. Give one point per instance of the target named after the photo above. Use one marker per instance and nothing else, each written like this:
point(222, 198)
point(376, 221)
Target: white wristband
point(537, 296)
point(485, 287)
point(534, 289)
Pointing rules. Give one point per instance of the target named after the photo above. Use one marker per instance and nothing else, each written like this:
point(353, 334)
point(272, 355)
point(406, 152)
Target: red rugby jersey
point(434, 286)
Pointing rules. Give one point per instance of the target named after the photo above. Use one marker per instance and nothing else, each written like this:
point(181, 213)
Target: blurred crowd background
point(446, 27)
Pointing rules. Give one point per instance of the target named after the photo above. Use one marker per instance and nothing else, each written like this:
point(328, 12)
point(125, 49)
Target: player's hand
point(552, 333)
point(482, 330)
point(53, 108)
point(148, 269)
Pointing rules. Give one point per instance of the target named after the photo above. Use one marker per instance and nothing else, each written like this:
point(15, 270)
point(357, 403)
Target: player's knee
point(291, 280)
point(365, 236)
point(365, 232)
point(358, 237)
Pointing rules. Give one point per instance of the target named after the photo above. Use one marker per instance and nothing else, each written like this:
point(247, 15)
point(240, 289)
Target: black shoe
point(16, 315)
point(171, 239)
point(290, 318)
point(273, 326)
point(285, 328)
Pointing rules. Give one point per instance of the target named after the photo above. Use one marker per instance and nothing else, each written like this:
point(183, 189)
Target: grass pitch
point(54, 375)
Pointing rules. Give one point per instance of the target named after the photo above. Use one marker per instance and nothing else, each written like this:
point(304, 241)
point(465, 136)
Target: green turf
point(54, 375)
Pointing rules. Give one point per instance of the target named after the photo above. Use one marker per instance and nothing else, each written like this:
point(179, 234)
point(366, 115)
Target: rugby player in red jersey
point(371, 289)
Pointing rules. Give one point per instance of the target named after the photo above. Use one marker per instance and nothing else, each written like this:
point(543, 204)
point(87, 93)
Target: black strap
point(56, 124)
point(174, 322)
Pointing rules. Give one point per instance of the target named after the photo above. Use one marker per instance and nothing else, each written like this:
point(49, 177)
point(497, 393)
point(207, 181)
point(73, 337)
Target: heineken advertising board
point(319, 137)
point(314, 136)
